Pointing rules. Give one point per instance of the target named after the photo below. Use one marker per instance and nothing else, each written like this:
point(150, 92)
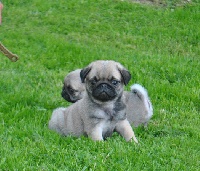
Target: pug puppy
point(101, 111)
point(73, 89)
point(139, 109)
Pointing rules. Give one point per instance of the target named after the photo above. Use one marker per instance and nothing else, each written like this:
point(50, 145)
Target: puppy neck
point(117, 111)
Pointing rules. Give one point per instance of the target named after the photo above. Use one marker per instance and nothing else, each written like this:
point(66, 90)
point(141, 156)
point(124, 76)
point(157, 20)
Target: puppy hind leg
point(56, 119)
point(124, 128)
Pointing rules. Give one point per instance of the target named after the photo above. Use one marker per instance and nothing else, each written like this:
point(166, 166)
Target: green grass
point(160, 46)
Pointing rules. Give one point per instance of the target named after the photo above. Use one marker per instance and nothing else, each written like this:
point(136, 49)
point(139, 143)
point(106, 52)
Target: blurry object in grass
point(1, 7)
point(8, 53)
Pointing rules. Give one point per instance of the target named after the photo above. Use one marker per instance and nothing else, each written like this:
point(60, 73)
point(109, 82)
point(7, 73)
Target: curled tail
point(142, 94)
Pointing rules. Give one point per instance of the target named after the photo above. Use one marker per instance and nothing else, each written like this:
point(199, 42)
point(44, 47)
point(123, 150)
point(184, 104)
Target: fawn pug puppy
point(138, 106)
point(102, 108)
point(73, 89)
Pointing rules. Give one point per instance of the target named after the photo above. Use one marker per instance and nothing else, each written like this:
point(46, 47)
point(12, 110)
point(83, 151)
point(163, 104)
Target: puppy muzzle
point(104, 92)
point(66, 96)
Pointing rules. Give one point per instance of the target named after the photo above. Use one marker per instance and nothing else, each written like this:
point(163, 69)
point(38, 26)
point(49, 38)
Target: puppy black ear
point(84, 72)
point(126, 75)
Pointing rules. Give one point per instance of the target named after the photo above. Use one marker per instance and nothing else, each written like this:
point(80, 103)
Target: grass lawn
point(158, 44)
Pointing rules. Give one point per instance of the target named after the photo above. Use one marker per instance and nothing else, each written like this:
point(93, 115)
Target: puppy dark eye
point(71, 90)
point(115, 82)
point(94, 81)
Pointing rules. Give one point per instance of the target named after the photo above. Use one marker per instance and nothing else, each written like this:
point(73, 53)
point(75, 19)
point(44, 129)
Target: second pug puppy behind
point(102, 109)
point(138, 106)
point(73, 89)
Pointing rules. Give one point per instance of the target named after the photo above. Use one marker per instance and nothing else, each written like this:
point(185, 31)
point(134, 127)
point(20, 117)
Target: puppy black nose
point(103, 86)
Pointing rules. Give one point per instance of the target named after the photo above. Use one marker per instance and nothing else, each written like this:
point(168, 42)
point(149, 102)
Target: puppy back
point(57, 120)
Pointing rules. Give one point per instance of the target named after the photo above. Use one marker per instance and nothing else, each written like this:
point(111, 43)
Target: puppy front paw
point(96, 134)
point(134, 139)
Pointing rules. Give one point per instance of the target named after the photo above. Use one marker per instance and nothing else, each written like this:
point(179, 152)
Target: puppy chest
point(108, 114)
point(107, 128)
point(114, 115)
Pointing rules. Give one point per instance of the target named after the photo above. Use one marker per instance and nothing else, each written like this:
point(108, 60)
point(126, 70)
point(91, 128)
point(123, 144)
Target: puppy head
point(73, 89)
point(104, 80)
